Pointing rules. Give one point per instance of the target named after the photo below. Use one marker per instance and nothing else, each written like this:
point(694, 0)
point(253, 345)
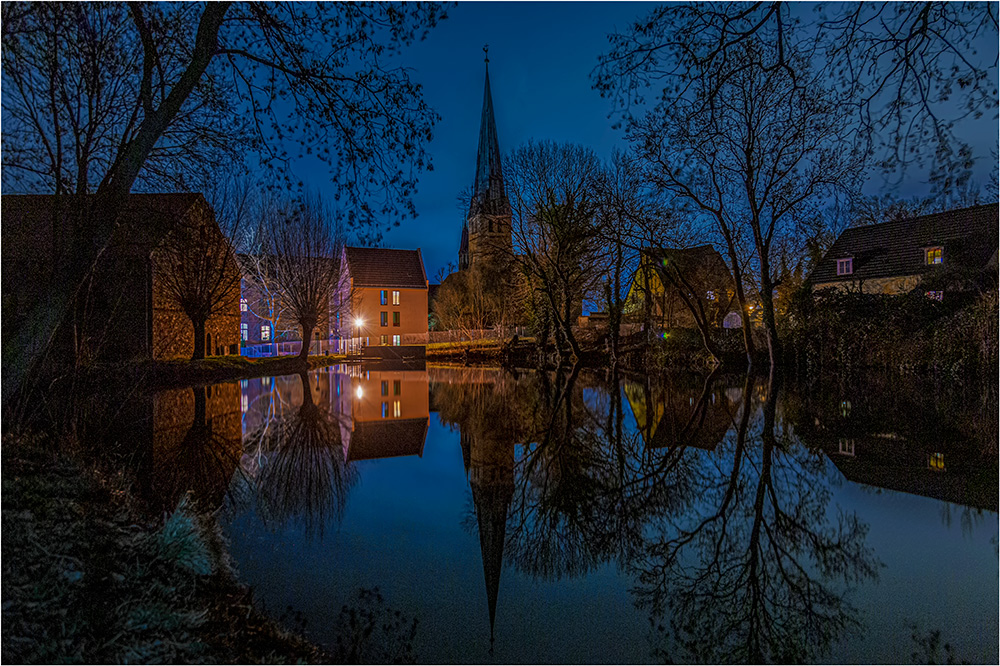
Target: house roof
point(696, 263)
point(381, 267)
point(892, 249)
point(28, 218)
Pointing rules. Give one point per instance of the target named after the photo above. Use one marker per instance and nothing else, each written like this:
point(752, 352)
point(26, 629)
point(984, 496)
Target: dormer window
point(845, 266)
point(934, 255)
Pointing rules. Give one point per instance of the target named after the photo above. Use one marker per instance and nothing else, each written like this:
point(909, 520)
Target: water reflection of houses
point(671, 414)
point(900, 450)
point(175, 442)
point(386, 411)
point(196, 444)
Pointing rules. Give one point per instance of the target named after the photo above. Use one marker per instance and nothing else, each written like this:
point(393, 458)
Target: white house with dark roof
point(386, 291)
point(900, 256)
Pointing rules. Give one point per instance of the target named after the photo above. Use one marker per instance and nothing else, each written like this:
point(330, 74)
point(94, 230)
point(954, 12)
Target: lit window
point(395, 319)
point(845, 266)
point(383, 318)
point(245, 402)
point(710, 295)
point(396, 409)
point(396, 341)
point(846, 447)
point(396, 386)
point(385, 409)
point(244, 331)
point(385, 387)
point(395, 298)
point(383, 339)
point(265, 332)
point(383, 297)
point(936, 295)
point(935, 461)
point(243, 305)
point(935, 255)
point(845, 408)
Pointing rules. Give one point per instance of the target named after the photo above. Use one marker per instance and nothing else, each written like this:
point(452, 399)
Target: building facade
point(131, 306)
point(385, 293)
point(664, 273)
point(934, 252)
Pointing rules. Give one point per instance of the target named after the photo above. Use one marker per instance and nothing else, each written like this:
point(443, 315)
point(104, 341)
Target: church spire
point(488, 193)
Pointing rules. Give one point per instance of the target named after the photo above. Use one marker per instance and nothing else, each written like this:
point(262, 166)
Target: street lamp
point(358, 323)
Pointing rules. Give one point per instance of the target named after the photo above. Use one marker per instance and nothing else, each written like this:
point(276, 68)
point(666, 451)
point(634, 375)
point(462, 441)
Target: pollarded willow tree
point(106, 97)
point(304, 244)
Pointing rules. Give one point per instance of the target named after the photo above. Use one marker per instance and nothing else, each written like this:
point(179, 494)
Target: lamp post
point(358, 323)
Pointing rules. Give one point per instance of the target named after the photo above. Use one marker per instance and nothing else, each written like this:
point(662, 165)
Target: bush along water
point(906, 333)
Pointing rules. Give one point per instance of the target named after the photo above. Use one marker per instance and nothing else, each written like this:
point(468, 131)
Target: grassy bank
point(88, 579)
point(182, 373)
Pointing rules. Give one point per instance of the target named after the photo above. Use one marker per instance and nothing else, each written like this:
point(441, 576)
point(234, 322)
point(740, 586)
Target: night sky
point(541, 56)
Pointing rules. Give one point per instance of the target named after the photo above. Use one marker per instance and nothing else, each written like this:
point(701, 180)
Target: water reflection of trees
point(298, 470)
point(735, 549)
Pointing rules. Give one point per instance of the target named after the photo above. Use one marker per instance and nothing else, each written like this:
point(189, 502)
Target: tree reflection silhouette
point(750, 572)
point(204, 459)
point(301, 473)
point(735, 549)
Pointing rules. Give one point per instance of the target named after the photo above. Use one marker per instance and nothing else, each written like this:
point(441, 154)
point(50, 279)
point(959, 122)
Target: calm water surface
point(570, 518)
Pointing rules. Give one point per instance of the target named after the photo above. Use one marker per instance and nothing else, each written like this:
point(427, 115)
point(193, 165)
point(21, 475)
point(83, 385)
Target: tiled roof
point(892, 249)
point(27, 218)
point(695, 262)
point(380, 267)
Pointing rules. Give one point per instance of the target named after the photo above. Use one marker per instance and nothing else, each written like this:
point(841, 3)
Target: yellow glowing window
point(935, 461)
point(397, 409)
point(935, 255)
point(265, 332)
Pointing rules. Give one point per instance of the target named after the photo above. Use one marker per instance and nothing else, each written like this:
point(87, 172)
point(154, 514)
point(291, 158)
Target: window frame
point(395, 318)
point(935, 251)
point(244, 332)
point(244, 305)
point(265, 332)
point(395, 297)
point(383, 318)
point(383, 297)
point(397, 340)
point(845, 266)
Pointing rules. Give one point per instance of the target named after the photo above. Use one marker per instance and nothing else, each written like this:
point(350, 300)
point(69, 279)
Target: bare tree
point(555, 237)
point(305, 243)
point(186, 81)
point(910, 72)
point(196, 268)
point(751, 150)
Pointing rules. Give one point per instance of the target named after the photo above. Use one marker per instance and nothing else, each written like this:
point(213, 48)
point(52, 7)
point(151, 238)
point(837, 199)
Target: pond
point(570, 517)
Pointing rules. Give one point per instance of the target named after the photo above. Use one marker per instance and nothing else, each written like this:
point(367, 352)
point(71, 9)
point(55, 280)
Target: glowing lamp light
point(359, 393)
point(359, 322)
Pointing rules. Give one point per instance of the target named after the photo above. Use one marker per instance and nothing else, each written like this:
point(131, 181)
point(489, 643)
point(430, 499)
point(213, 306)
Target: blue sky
point(541, 56)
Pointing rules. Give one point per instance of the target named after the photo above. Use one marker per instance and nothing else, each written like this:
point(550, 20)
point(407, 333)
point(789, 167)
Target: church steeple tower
point(487, 225)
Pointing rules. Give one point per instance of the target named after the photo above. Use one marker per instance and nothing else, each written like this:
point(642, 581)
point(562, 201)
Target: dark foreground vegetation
point(90, 575)
point(87, 578)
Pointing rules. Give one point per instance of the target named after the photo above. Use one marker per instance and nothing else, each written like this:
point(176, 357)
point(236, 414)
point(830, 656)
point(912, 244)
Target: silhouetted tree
point(100, 93)
point(303, 246)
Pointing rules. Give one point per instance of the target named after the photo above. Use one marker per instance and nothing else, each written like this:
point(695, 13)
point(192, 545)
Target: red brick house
point(130, 312)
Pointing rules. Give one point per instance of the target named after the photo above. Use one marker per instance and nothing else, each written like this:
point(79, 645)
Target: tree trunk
point(307, 331)
point(199, 338)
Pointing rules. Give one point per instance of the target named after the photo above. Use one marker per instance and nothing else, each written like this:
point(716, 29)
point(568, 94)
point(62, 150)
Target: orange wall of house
point(412, 310)
point(413, 396)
